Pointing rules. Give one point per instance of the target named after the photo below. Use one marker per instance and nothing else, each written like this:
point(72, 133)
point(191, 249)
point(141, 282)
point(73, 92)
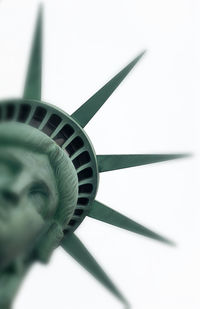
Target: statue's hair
point(66, 178)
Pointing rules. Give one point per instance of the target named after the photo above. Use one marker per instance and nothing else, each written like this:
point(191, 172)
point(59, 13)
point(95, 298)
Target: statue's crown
point(38, 125)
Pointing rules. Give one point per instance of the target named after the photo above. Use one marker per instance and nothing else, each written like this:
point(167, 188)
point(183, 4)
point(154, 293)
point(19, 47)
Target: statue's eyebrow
point(11, 161)
point(39, 185)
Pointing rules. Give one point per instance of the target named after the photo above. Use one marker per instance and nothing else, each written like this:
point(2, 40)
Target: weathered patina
point(38, 194)
point(49, 175)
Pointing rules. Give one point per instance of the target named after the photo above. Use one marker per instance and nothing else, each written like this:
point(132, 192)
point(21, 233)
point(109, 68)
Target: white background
point(156, 110)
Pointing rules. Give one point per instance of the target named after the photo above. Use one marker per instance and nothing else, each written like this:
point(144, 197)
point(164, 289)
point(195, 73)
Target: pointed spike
point(72, 245)
point(115, 162)
point(85, 113)
point(108, 215)
point(33, 84)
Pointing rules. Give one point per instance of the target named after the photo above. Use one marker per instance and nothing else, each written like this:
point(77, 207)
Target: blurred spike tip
point(114, 162)
point(33, 84)
point(74, 247)
point(105, 214)
point(86, 112)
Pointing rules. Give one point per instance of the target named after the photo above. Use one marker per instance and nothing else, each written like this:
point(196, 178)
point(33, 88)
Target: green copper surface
point(115, 162)
point(49, 176)
point(79, 252)
point(86, 112)
point(69, 136)
point(33, 85)
point(105, 214)
point(38, 194)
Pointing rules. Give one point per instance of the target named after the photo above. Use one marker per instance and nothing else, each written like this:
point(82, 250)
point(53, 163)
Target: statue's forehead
point(37, 164)
point(23, 154)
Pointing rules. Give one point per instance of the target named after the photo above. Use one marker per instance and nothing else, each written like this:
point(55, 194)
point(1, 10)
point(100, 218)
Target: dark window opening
point(10, 111)
point(52, 124)
point(78, 212)
point(24, 112)
point(82, 159)
point(64, 134)
point(83, 201)
point(84, 174)
point(38, 117)
point(74, 146)
point(72, 222)
point(86, 188)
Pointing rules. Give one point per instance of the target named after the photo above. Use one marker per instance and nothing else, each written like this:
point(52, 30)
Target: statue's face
point(28, 201)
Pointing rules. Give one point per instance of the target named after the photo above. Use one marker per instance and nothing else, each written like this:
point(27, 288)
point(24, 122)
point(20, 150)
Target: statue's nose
point(9, 196)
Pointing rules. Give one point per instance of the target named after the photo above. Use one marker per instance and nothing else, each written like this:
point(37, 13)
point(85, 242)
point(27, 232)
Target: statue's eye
point(39, 197)
point(10, 165)
point(7, 170)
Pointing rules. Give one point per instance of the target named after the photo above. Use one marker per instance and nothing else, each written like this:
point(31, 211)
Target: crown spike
point(105, 214)
point(33, 84)
point(86, 112)
point(74, 247)
point(115, 162)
